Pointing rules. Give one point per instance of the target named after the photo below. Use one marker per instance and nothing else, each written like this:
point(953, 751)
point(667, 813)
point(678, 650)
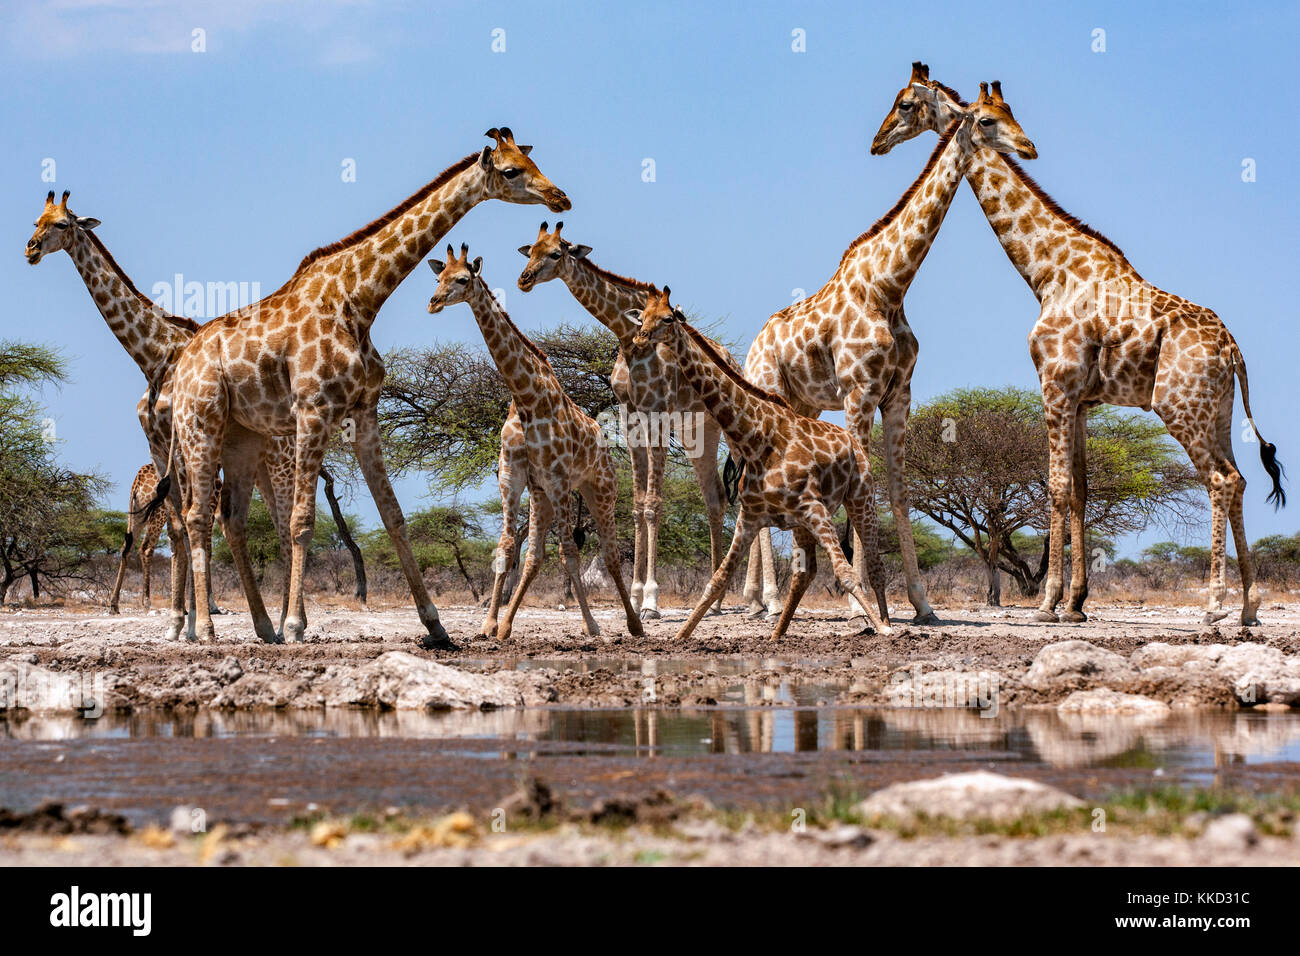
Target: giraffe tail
point(579, 532)
point(1267, 450)
point(164, 483)
point(731, 474)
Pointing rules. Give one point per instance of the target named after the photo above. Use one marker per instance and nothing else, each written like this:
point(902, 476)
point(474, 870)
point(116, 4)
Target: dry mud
point(374, 659)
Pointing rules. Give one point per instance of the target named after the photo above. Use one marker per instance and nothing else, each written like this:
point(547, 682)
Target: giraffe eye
point(61, 225)
point(986, 122)
point(511, 173)
point(461, 280)
point(904, 106)
point(556, 255)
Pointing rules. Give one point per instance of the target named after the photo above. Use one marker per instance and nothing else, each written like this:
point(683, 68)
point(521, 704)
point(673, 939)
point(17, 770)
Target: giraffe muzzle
point(558, 202)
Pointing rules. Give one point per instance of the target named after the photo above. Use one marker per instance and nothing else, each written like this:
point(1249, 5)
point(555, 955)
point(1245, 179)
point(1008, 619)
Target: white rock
point(1235, 831)
point(1109, 702)
point(1074, 665)
point(966, 796)
point(403, 681)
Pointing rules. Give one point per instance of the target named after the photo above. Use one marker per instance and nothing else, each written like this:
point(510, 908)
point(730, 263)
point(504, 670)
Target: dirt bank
point(373, 659)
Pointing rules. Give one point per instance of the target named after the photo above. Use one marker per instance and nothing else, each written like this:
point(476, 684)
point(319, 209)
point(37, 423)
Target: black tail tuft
point(731, 474)
point(846, 541)
point(579, 532)
point(158, 500)
point(1268, 456)
point(126, 545)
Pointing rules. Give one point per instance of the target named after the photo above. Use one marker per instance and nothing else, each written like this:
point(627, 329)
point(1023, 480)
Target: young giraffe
point(644, 386)
point(1105, 335)
point(301, 362)
point(154, 339)
point(848, 346)
point(143, 488)
point(797, 470)
point(563, 451)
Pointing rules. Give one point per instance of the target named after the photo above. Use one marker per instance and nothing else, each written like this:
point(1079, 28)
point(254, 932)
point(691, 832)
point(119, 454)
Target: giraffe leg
point(754, 582)
point(213, 609)
point(371, 458)
point(146, 571)
point(540, 515)
point(706, 474)
point(201, 463)
point(1245, 560)
point(861, 510)
point(640, 473)
point(279, 502)
point(240, 458)
point(814, 516)
point(1078, 508)
point(601, 495)
point(1060, 413)
point(803, 567)
point(127, 546)
point(654, 503)
point(572, 562)
point(179, 541)
point(746, 529)
point(893, 417)
point(512, 474)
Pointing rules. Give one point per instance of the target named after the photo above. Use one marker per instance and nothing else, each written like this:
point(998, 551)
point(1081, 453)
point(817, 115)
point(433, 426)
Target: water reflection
point(769, 723)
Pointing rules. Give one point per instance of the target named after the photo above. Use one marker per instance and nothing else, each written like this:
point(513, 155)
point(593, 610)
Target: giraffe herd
point(254, 397)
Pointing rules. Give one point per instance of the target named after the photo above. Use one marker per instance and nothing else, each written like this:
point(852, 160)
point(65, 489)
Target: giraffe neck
point(526, 371)
point(1033, 233)
point(150, 336)
point(886, 258)
point(607, 297)
point(372, 265)
point(750, 421)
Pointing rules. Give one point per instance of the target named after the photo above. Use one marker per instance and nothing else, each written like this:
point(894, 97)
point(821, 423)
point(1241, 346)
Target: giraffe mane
point(528, 343)
point(711, 353)
point(617, 279)
point(397, 211)
point(1054, 207)
point(181, 322)
point(903, 200)
point(953, 94)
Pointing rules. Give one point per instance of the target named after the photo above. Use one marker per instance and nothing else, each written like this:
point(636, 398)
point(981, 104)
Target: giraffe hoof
point(1074, 617)
point(1046, 617)
point(650, 614)
point(929, 619)
point(713, 611)
point(113, 610)
point(431, 643)
point(1212, 617)
point(1251, 621)
point(755, 612)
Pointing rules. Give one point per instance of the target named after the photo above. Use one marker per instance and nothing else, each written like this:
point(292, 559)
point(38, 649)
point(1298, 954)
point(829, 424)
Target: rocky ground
point(373, 659)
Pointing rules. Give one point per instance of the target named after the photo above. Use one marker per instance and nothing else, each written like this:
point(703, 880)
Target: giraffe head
point(926, 104)
point(55, 228)
point(659, 321)
point(455, 278)
point(549, 257)
point(513, 177)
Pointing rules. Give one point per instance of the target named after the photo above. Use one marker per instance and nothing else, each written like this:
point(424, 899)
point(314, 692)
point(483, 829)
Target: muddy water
point(772, 743)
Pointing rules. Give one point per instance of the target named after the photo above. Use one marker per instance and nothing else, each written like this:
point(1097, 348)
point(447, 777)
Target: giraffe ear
point(579, 252)
point(87, 222)
point(524, 149)
point(437, 265)
point(476, 266)
point(485, 157)
point(633, 315)
point(525, 251)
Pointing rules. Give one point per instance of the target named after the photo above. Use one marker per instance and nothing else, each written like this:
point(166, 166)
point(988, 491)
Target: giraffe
point(301, 362)
point(796, 470)
point(143, 488)
point(645, 387)
point(154, 338)
point(848, 346)
point(563, 452)
point(1105, 335)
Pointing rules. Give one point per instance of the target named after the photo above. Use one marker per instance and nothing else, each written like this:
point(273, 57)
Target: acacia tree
point(977, 465)
point(50, 525)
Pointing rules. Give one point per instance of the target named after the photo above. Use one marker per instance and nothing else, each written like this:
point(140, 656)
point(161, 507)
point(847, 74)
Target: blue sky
point(225, 165)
